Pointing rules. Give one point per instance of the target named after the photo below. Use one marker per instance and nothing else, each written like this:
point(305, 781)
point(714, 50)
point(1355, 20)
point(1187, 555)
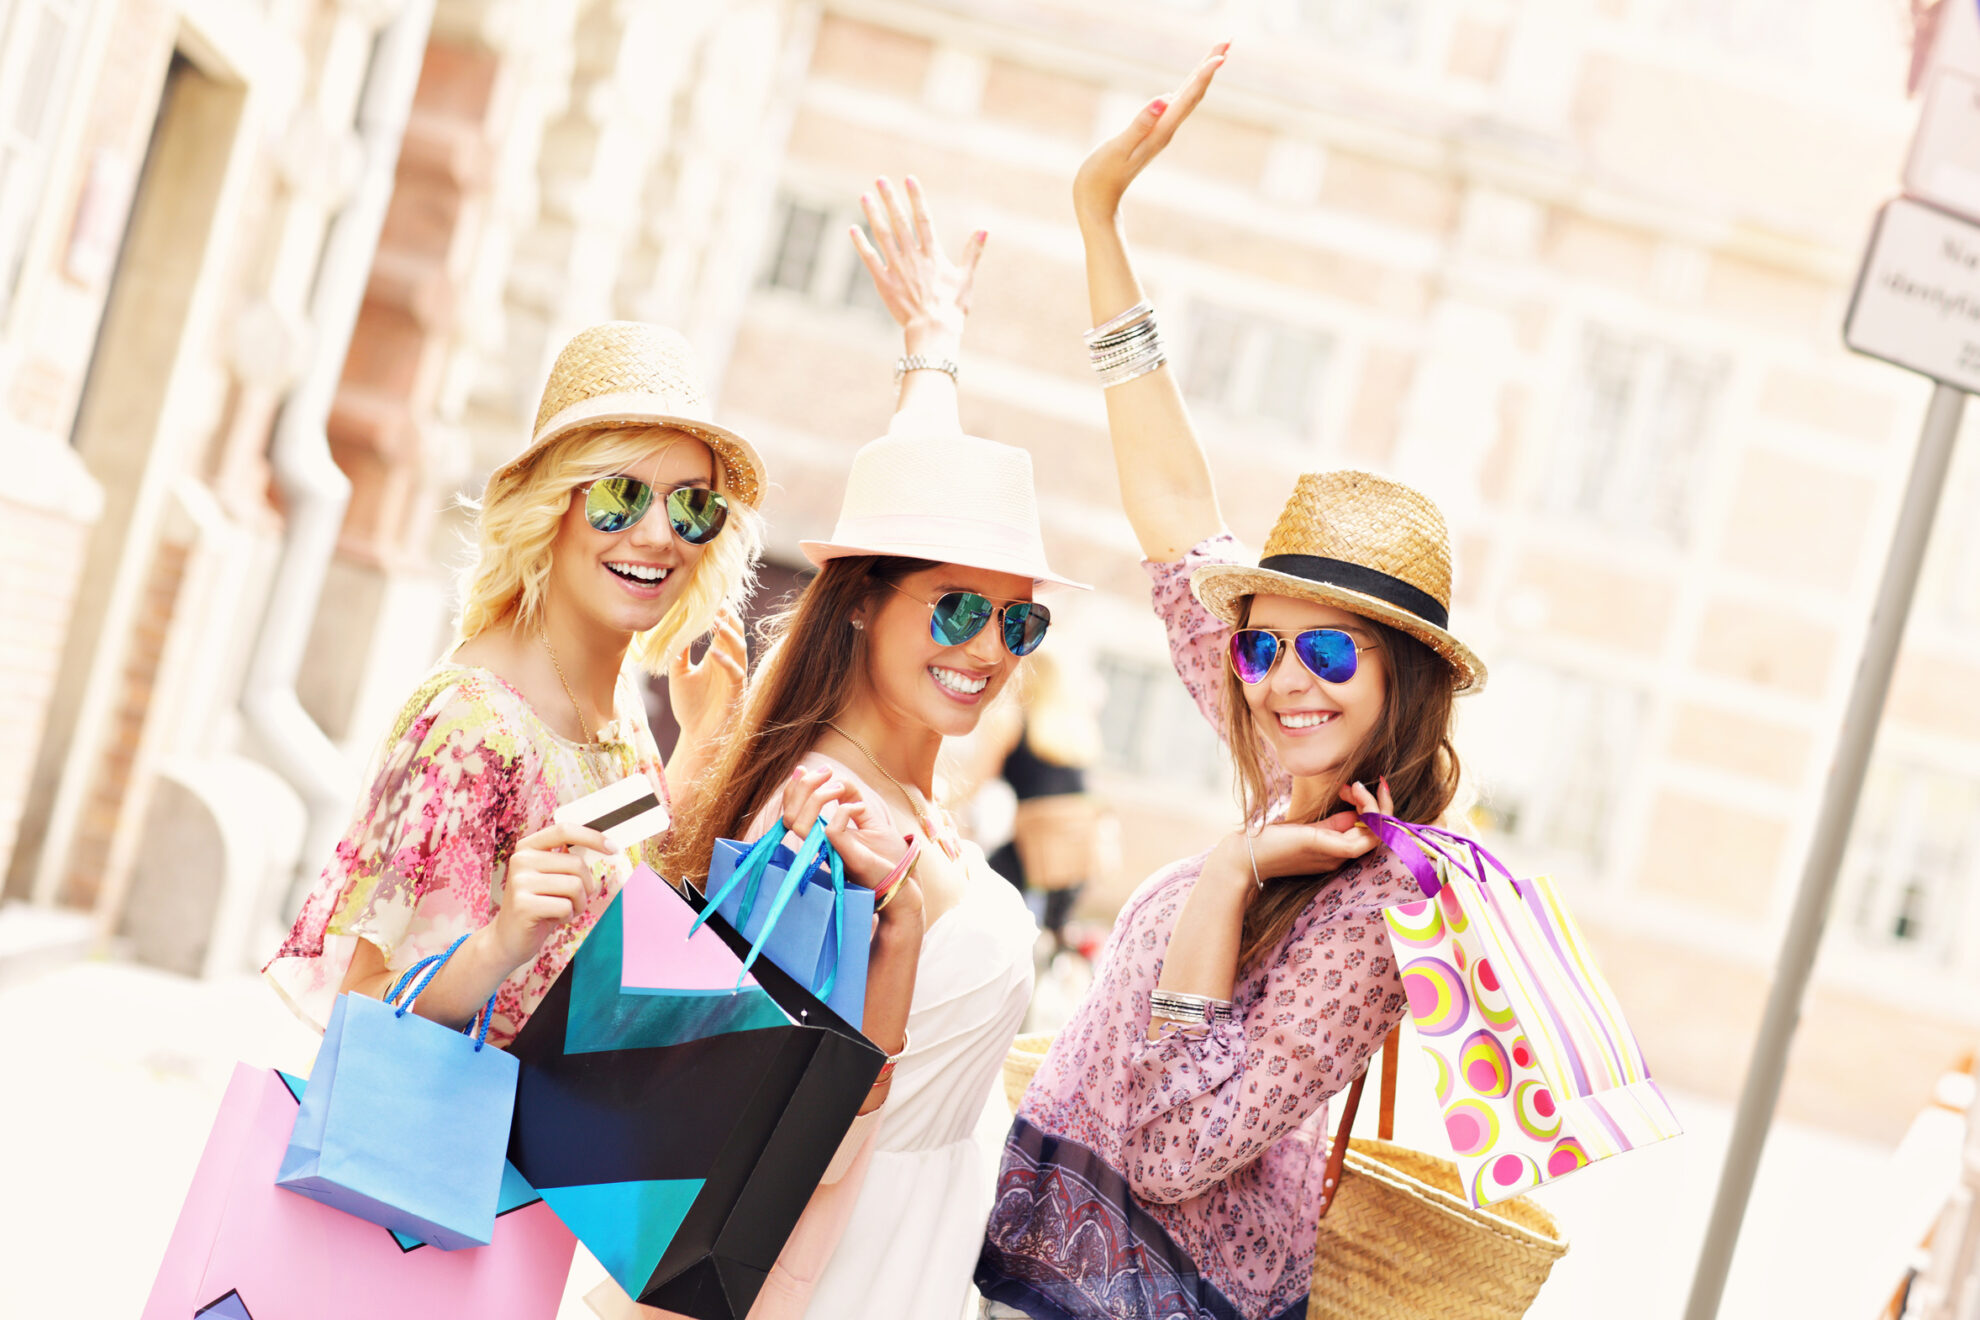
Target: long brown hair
point(810, 671)
point(1410, 745)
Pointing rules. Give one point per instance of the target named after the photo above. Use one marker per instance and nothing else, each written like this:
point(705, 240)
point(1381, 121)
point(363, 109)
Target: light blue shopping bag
point(405, 1122)
point(797, 910)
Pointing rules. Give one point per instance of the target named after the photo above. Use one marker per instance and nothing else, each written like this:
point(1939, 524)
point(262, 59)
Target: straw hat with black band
point(1363, 543)
point(626, 374)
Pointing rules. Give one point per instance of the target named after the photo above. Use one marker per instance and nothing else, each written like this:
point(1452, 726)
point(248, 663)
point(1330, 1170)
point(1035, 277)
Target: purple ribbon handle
point(1422, 840)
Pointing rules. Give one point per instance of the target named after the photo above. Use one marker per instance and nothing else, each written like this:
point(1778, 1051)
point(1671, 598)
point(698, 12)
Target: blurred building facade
point(1575, 266)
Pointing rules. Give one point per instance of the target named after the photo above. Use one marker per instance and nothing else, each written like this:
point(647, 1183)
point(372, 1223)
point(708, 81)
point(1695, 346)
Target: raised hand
point(925, 292)
point(704, 693)
point(1289, 849)
point(1104, 176)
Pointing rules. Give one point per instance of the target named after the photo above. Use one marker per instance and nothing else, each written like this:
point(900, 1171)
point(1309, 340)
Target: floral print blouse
point(1179, 1179)
point(468, 770)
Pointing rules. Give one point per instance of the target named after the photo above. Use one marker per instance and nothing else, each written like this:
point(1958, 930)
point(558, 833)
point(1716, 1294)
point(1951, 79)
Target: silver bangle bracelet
point(1135, 372)
point(1136, 312)
point(1181, 1006)
point(918, 362)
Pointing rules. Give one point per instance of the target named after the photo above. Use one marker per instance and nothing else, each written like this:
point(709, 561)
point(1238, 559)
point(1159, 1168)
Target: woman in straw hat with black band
point(1167, 1158)
point(626, 529)
point(922, 607)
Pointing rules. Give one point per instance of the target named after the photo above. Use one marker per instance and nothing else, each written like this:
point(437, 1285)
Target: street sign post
point(1917, 306)
point(1917, 301)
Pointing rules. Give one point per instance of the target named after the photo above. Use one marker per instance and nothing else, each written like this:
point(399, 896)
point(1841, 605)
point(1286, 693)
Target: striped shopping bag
point(1537, 1072)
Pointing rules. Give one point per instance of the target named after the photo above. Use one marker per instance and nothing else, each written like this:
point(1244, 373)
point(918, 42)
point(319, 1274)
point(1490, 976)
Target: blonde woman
point(624, 531)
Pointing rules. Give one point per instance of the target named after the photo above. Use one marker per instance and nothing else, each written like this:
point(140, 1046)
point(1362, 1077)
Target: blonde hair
point(1060, 724)
point(518, 517)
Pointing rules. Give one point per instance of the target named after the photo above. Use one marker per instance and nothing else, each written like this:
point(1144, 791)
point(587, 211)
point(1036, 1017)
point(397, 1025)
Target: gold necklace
point(914, 798)
point(583, 725)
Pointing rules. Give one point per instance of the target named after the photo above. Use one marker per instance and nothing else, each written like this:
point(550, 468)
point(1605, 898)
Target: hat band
point(1359, 577)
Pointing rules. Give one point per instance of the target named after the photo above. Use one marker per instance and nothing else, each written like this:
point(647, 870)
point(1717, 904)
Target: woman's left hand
point(703, 694)
point(926, 293)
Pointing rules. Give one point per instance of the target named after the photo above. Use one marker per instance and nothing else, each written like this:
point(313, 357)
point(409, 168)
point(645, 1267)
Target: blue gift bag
point(797, 910)
point(405, 1122)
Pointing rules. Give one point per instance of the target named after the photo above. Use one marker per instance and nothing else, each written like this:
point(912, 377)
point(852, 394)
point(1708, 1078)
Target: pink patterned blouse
point(1179, 1179)
point(468, 769)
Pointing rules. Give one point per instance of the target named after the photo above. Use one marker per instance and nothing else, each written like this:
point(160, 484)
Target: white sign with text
point(1917, 301)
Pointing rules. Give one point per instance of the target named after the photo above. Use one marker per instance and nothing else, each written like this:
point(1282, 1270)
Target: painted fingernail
point(1157, 106)
point(982, 234)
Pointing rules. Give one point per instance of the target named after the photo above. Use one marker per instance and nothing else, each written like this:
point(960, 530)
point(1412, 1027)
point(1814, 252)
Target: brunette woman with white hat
point(623, 531)
point(1168, 1159)
point(923, 606)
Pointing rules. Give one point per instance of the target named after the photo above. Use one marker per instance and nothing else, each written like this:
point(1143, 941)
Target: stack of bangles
point(1189, 1010)
point(883, 894)
point(1126, 347)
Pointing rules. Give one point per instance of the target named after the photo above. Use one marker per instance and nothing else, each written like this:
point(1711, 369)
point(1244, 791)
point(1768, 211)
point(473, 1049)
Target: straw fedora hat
point(625, 374)
point(947, 497)
point(1363, 543)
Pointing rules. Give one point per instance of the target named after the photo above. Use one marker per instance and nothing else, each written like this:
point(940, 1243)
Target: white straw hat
point(952, 498)
point(624, 374)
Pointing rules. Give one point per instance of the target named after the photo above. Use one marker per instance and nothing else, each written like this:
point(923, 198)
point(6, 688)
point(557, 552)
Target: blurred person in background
point(1050, 737)
point(919, 615)
point(1167, 1158)
point(626, 529)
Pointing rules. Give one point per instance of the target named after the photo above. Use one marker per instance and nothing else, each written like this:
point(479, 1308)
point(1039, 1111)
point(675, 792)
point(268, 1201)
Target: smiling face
point(919, 680)
point(1314, 726)
point(627, 581)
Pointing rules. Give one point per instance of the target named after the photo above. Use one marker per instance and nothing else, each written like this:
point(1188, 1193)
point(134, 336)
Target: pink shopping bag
point(1537, 1072)
point(245, 1249)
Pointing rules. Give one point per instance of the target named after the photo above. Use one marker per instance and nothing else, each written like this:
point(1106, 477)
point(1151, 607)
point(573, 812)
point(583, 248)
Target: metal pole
point(1832, 824)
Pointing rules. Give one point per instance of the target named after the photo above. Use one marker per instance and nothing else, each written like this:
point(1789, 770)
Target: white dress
point(911, 1246)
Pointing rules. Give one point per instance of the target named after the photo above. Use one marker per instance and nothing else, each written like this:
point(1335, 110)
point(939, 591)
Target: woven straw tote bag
point(1399, 1241)
point(1021, 1065)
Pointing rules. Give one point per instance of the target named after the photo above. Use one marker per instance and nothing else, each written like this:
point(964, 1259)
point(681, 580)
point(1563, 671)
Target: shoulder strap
point(1330, 1179)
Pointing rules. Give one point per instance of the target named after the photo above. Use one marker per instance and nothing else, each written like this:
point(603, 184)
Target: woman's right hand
point(870, 852)
point(547, 885)
point(1104, 176)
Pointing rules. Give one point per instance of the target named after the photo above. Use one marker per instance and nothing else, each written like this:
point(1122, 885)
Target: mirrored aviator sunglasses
point(960, 615)
point(696, 513)
point(1329, 654)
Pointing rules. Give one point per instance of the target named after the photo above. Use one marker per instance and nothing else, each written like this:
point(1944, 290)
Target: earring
point(859, 625)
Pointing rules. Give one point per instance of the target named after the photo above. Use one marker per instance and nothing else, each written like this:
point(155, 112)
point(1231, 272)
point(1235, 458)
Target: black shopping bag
point(682, 1164)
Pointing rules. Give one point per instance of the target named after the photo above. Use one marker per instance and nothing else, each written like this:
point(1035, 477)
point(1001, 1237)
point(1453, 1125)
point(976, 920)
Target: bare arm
point(1165, 478)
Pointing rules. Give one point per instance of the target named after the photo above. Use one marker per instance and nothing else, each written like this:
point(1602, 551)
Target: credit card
point(624, 813)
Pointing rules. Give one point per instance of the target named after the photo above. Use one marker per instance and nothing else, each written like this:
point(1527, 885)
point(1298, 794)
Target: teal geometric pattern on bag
point(628, 1225)
point(603, 1017)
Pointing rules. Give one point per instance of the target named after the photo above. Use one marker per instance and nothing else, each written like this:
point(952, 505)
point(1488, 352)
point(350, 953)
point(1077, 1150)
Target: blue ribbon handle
point(430, 966)
point(749, 874)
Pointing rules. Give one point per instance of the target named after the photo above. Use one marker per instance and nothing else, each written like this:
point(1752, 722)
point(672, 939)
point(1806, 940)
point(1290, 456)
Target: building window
point(1551, 753)
point(1150, 726)
point(1639, 420)
point(1255, 369)
point(1386, 29)
point(38, 44)
point(810, 255)
point(1914, 862)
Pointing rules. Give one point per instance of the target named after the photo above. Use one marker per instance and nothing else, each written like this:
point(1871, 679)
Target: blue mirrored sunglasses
point(956, 616)
point(1329, 654)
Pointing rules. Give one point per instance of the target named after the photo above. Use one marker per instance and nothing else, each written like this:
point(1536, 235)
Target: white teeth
point(640, 572)
point(1305, 719)
point(958, 683)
